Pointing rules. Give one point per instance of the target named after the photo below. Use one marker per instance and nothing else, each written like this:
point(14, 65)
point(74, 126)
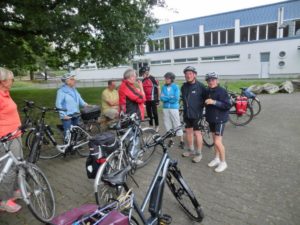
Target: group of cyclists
point(132, 96)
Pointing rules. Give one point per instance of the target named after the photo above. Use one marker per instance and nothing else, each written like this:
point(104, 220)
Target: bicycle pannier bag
point(101, 146)
point(241, 105)
point(90, 112)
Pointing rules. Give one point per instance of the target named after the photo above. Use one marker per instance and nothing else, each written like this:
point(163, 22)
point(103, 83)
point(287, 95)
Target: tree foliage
point(60, 31)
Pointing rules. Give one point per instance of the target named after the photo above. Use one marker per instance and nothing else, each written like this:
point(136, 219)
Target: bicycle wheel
point(184, 195)
point(33, 156)
point(256, 106)
point(92, 127)
point(104, 193)
point(206, 134)
point(240, 120)
point(145, 153)
point(37, 193)
point(81, 142)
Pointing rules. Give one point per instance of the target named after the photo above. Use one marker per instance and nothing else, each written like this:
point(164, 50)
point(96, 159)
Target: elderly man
point(110, 101)
point(131, 98)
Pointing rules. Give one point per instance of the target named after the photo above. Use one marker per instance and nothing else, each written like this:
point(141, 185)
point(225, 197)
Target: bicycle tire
point(256, 106)
point(207, 135)
point(104, 192)
point(145, 154)
point(181, 190)
point(47, 148)
point(38, 193)
point(82, 136)
point(240, 120)
point(34, 151)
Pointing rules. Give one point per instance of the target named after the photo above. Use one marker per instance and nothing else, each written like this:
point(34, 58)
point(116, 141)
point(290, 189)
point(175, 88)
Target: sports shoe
point(9, 206)
point(181, 145)
point(221, 167)
point(189, 153)
point(214, 162)
point(197, 158)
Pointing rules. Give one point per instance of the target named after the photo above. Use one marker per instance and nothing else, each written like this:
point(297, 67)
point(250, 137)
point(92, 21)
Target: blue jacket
point(218, 113)
point(69, 99)
point(170, 98)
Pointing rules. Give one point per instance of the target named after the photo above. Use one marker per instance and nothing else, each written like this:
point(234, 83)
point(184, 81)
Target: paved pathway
point(260, 187)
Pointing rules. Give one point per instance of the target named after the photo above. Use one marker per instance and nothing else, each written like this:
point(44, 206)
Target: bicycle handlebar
point(31, 104)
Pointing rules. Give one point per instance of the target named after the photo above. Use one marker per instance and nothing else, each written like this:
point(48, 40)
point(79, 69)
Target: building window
point(190, 41)
point(262, 32)
point(159, 62)
point(286, 31)
point(207, 38)
point(233, 57)
point(167, 44)
point(196, 40)
point(182, 40)
point(184, 60)
point(220, 58)
point(297, 27)
point(150, 44)
point(230, 36)
point(195, 59)
point(156, 62)
point(179, 60)
point(176, 40)
point(253, 32)
point(217, 58)
point(223, 37)
point(207, 58)
point(244, 34)
point(272, 30)
point(162, 45)
point(215, 38)
point(167, 61)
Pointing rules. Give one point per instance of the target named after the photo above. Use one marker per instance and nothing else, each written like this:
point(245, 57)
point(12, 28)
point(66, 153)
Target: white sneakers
point(221, 165)
point(197, 158)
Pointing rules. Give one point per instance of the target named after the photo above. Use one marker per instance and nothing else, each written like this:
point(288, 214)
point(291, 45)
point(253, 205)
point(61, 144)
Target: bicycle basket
point(90, 112)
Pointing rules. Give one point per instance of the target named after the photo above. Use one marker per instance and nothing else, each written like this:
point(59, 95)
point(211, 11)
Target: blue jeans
point(67, 123)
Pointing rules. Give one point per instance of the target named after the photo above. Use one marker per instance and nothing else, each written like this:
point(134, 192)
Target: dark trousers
point(151, 109)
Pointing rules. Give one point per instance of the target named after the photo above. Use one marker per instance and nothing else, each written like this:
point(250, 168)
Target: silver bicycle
point(34, 186)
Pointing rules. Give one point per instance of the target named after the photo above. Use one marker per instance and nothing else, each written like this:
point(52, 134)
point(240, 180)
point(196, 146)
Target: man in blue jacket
point(69, 99)
point(193, 96)
point(217, 108)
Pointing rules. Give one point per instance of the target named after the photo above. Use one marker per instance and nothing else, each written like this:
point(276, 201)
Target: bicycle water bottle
point(134, 147)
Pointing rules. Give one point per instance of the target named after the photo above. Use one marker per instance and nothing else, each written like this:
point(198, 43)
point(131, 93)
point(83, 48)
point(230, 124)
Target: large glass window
point(230, 36)
point(150, 44)
point(272, 30)
point(297, 27)
point(177, 44)
point(207, 38)
point(223, 37)
point(215, 38)
point(286, 31)
point(253, 32)
point(190, 41)
point(196, 40)
point(167, 44)
point(262, 32)
point(183, 44)
point(244, 34)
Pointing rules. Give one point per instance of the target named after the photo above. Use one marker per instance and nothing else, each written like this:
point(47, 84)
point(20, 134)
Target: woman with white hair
point(9, 122)
point(69, 99)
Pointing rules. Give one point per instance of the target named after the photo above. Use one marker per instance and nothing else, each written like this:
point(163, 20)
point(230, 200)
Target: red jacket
point(131, 100)
point(151, 85)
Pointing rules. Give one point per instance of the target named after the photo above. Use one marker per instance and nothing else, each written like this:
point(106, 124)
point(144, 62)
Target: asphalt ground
point(260, 187)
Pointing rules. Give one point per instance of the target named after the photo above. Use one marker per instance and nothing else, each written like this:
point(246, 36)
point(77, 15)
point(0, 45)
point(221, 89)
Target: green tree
point(57, 32)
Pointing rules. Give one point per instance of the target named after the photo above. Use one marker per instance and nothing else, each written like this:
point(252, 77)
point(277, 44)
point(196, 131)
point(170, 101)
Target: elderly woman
point(69, 99)
point(9, 122)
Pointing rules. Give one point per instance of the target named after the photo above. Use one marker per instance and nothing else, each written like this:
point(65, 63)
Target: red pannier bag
point(241, 105)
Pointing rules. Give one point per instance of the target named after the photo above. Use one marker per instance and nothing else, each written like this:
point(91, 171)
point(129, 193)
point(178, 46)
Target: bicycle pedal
point(165, 219)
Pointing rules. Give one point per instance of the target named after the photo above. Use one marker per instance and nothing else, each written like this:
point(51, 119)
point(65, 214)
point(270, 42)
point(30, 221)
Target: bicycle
point(253, 100)
point(46, 143)
point(204, 127)
point(34, 186)
point(239, 117)
point(132, 151)
point(167, 172)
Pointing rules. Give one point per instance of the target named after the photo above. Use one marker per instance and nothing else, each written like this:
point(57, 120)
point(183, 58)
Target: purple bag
point(72, 215)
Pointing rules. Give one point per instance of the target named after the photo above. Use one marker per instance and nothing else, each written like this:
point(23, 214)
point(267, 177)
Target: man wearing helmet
point(151, 89)
point(217, 108)
point(193, 96)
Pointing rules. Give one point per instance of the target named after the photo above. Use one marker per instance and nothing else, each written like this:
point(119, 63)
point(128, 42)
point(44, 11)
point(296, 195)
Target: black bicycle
point(47, 142)
point(166, 172)
point(253, 100)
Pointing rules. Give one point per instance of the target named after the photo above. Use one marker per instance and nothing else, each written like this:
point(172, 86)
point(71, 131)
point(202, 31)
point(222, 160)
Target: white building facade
point(259, 42)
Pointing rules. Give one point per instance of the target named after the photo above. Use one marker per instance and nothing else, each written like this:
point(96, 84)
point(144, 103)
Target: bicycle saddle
point(118, 177)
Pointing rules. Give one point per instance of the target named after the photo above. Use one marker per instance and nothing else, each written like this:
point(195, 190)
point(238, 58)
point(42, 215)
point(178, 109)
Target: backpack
point(241, 105)
point(101, 146)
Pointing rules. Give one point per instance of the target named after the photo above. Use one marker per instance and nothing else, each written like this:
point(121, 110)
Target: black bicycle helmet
point(143, 69)
point(211, 75)
point(190, 68)
point(170, 75)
